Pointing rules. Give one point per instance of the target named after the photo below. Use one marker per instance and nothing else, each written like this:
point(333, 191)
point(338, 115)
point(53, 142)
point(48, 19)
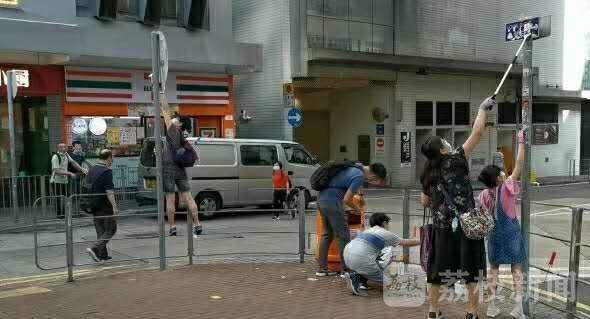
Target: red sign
point(379, 145)
point(43, 80)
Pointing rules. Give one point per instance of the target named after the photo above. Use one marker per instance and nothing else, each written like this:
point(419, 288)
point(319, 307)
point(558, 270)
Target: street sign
point(163, 61)
point(537, 27)
point(380, 129)
point(379, 145)
point(406, 149)
point(289, 101)
point(295, 117)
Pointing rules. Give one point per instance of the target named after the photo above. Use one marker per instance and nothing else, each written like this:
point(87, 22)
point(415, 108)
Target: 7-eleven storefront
point(113, 108)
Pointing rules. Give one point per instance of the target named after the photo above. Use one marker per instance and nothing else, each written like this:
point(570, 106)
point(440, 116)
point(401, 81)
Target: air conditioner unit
point(194, 14)
point(105, 9)
point(150, 11)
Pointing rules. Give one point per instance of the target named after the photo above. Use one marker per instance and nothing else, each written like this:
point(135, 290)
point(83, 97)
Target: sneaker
point(353, 282)
point(172, 231)
point(434, 315)
point(325, 273)
point(471, 316)
point(517, 313)
point(363, 285)
point(106, 258)
point(198, 229)
point(493, 310)
point(93, 253)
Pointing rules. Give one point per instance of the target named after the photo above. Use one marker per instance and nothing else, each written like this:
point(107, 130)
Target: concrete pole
point(12, 133)
point(158, 144)
point(527, 103)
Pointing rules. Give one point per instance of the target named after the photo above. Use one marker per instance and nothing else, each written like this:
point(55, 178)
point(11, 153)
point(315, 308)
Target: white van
point(234, 172)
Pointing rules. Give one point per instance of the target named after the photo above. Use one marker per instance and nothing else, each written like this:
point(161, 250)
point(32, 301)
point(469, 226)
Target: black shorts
point(175, 179)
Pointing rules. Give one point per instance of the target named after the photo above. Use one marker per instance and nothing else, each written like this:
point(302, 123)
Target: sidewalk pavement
point(267, 290)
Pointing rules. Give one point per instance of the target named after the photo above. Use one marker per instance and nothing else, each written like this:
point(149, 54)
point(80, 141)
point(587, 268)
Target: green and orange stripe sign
point(84, 85)
point(202, 89)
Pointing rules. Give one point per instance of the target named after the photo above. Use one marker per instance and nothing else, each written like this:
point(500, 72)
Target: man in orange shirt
point(280, 183)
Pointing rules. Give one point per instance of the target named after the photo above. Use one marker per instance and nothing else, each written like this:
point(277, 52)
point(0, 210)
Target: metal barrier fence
point(410, 213)
point(579, 170)
point(29, 189)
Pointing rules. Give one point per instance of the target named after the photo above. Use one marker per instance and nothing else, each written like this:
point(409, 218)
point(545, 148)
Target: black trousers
point(60, 202)
point(279, 197)
point(106, 227)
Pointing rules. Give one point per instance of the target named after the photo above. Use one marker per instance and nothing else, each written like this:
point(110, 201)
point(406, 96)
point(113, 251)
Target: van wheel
point(208, 203)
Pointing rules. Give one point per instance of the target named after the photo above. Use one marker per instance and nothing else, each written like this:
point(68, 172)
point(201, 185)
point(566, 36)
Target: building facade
point(89, 63)
point(375, 78)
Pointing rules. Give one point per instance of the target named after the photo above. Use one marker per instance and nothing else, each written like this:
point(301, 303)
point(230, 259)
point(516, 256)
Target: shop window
point(383, 12)
point(336, 9)
point(258, 155)
point(545, 113)
point(123, 135)
point(382, 39)
point(424, 114)
point(462, 111)
point(507, 113)
point(336, 34)
point(360, 37)
point(444, 113)
point(297, 154)
point(360, 10)
point(315, 7)
point(315, 32)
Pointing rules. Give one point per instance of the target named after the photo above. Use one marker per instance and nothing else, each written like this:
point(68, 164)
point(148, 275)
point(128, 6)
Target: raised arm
point(165, 110)
point(479, 126)
point(519, 157)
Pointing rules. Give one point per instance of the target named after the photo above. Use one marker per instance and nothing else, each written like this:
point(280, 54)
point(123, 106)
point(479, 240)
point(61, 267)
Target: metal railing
point(579, 170)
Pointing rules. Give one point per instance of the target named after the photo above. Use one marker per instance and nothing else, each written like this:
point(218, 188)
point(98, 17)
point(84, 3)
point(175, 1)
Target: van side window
point(296, 154)
point(217, 154)
point(258, 155)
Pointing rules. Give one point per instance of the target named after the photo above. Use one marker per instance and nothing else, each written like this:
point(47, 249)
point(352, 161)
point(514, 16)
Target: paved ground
point(269, 290)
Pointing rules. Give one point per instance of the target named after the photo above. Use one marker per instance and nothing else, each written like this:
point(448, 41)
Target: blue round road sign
point(295, 117)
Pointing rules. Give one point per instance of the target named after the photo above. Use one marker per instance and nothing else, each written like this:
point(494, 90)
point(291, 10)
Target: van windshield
point(297, 154)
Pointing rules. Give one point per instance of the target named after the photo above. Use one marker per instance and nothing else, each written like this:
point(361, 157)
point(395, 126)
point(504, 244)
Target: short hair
point(186, 122)
point(105, 154)
point(379, 170)
point(489, 176)
point(74, 143)
point(280, 165)
point(378, 219)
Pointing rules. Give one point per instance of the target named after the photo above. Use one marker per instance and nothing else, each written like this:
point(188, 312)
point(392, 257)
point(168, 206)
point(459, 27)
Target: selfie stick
point(526, 37)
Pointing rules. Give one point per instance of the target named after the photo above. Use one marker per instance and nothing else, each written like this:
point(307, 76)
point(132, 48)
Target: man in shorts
point(174, 176)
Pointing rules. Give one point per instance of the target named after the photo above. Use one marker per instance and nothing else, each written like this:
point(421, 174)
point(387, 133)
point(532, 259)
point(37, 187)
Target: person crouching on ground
point(505, 242)
point(280, 183)
point(362, 254)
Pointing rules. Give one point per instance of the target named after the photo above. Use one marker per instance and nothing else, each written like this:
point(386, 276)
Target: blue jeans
point(334, 224)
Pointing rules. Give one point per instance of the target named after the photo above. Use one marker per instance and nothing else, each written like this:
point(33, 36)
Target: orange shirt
point(280, 180)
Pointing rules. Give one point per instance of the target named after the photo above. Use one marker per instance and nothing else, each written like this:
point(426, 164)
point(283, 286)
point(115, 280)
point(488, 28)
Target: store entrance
point(35, 160)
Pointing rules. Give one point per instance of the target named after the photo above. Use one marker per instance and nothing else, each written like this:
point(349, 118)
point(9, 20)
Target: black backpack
point(321, 178)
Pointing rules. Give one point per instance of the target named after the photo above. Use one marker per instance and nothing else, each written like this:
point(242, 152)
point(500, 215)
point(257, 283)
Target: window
point(315, 32)
point(382, 39)
point(545, 113)
point(127, 7)
point(360, 37)
point(297, 154)
point(360, 10)
point(383, 12)
point(336, 34)
point(315, 7)
point(336, 9)
point(217, 154)
point(507, 113)
point(462, 111)
point(169, 9)
point(424, 114)
point(444, 113)
point(124, 136)
point(258, 155)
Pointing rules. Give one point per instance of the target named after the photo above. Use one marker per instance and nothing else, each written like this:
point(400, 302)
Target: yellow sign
point(114, 136)
point(288, 89)
point(11, 3)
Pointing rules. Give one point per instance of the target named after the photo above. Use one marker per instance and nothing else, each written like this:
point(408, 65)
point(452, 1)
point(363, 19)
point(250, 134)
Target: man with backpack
point(102, 204)
point(178, 154)
point(60, 175)
point(337, 184)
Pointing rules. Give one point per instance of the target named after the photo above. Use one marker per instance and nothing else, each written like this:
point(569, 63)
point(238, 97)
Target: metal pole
point(12, 138)
point(574, 262)
point(158, 143)
point(527, 102)
point(406, 224)
point(301, 212)
point(190, 235)
point(69, 239)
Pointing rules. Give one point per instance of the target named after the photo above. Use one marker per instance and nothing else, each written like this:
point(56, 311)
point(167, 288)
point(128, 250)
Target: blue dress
point(505, 243)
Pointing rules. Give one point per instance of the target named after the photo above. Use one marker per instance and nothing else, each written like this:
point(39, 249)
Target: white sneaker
point(517, 313)
point(493, 310)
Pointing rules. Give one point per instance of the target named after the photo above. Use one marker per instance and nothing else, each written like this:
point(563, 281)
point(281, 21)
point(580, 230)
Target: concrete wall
point(261, 94)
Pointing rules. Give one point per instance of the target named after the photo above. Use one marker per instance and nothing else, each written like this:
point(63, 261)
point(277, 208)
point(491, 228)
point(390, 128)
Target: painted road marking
point(550, 295)
point(23, 292)
point(548, 212)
